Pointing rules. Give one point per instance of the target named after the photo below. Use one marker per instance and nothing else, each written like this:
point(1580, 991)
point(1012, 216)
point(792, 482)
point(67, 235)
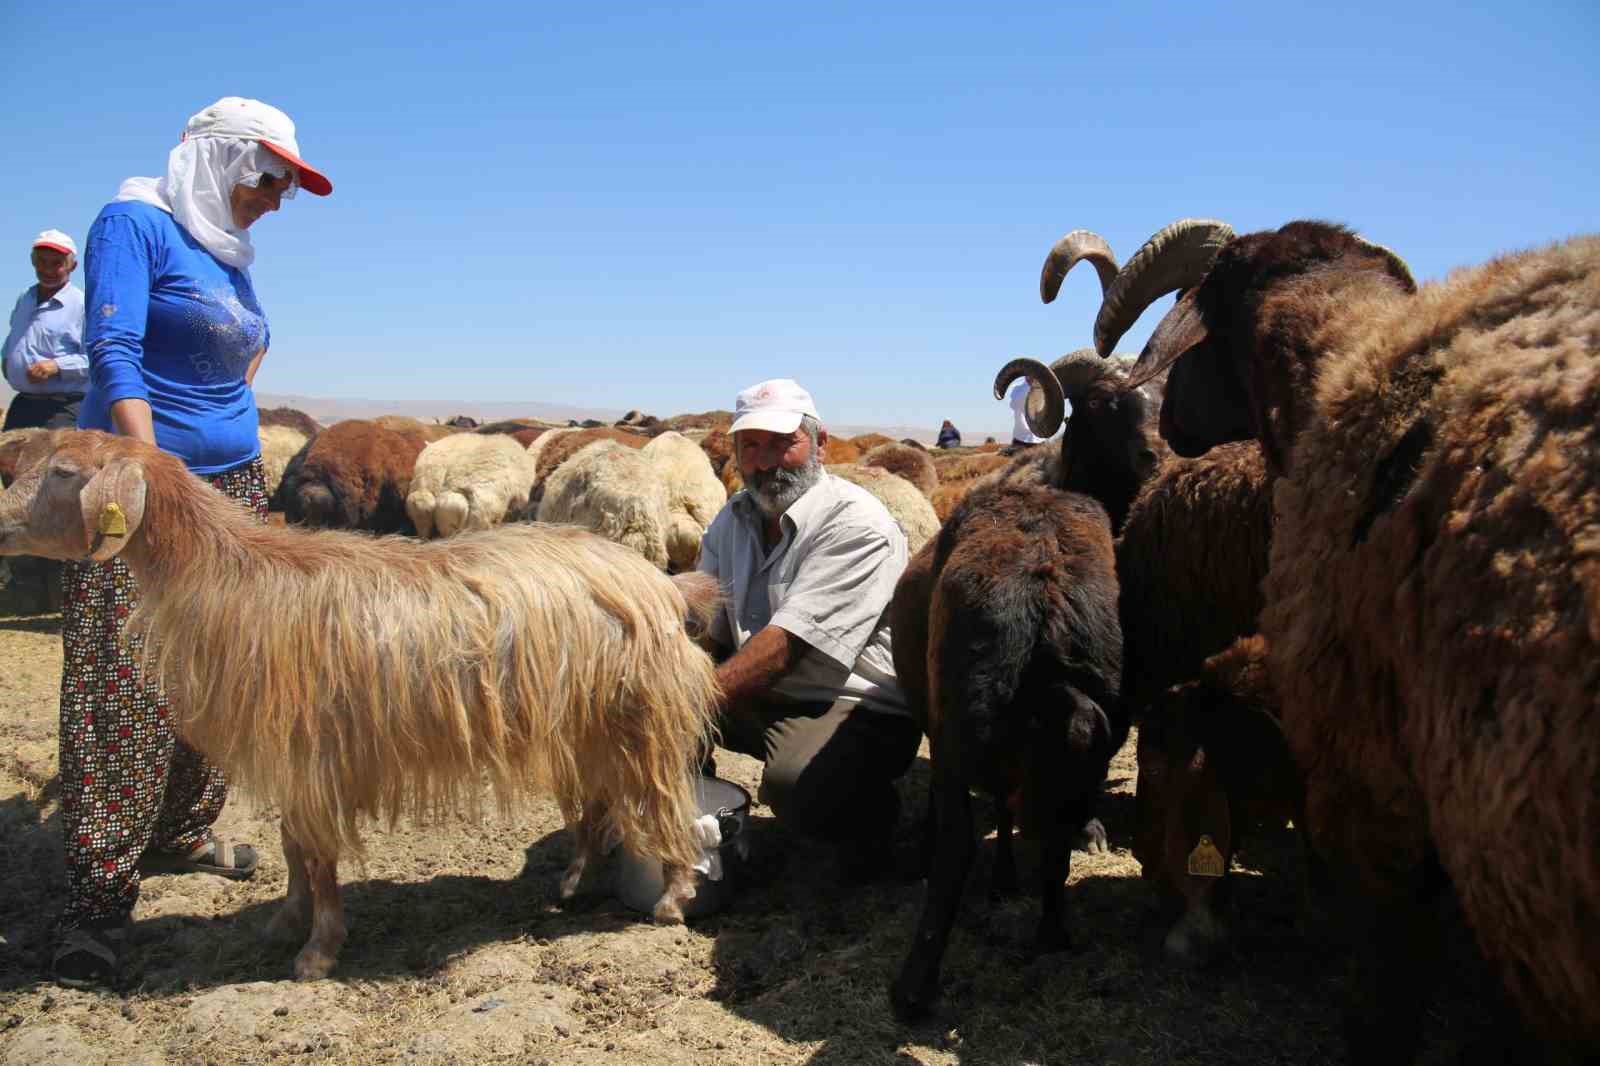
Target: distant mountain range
point(327, 410)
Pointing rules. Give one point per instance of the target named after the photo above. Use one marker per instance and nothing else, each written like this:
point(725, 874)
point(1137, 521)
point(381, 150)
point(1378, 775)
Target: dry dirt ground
point(457, 953)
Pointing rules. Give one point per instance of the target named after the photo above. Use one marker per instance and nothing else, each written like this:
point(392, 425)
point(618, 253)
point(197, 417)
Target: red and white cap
point(775, 406)
point(55, 239)
point(237, 116)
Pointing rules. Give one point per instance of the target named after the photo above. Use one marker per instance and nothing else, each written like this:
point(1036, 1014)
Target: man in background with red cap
point(44, 359)
point(809, 564)
point(44, 362)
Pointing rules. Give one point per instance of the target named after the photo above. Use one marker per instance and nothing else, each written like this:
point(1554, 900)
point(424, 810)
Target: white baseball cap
point(238, 116)
point(54, 238)
point(775, 406)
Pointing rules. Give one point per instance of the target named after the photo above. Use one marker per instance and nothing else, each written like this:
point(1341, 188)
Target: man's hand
point(43, 370)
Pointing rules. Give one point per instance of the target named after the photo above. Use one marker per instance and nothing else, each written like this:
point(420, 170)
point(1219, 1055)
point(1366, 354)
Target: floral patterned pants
point(128, 784)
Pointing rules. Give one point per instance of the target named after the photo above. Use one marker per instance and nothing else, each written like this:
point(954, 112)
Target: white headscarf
point(201, 173)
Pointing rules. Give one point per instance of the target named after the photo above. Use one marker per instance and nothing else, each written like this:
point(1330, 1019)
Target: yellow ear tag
point(1205, 860)
point(113, 523)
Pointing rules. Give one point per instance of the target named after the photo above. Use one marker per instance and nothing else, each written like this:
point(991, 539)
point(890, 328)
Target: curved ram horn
point(1397, 266)
point(1068, 252)
point(1177, 257)
point(1047, 405)
point(1079, 370)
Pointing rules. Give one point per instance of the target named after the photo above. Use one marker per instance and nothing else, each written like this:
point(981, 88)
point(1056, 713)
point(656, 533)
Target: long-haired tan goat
point(394, 675)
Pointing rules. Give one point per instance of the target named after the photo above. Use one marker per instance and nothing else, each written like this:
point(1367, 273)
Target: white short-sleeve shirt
point(828, 581)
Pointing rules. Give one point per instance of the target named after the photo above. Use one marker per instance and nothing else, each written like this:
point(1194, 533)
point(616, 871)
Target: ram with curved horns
point(1432, 601)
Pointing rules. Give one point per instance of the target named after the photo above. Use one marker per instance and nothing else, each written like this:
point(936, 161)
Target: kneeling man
point(809, 563)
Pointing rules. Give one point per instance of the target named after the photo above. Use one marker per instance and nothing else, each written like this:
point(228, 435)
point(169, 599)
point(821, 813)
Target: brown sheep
point(395, 677)
point(1432, 602)
point(913, 464)
point(839, 451)
point(704, 420)
point(960, 475)
point(718, 446)
point(865, 442)
point(353, 475)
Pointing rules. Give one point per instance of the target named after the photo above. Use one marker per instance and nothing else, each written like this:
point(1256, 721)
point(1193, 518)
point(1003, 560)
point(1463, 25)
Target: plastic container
point(639, 883)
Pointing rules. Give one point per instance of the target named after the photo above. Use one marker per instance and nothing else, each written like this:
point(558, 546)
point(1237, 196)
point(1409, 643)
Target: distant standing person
point(949, 435)
point(1021, 435)
point(44, 359)
point(174, 335)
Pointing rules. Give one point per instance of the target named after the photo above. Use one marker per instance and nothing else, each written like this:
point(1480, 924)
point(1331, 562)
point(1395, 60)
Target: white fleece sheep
point(694, 495)
point(468, 481)
point(614, 491)
point(278, 445)
point(905, 503)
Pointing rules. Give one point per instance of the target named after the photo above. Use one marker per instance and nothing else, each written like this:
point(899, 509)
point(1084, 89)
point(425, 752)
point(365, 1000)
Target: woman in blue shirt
point(174, 334)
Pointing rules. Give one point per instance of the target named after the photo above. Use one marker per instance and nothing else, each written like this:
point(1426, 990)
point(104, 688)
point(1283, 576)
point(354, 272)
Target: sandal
point(237, 862)
point(90, 956)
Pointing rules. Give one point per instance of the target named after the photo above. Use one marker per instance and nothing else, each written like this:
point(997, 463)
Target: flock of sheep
point(1331, 541)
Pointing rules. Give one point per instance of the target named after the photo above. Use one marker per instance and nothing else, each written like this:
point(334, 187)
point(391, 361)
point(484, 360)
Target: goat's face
point(78, 495)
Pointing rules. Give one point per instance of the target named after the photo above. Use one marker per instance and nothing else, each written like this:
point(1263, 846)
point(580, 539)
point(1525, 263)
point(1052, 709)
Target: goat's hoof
point(312, 964)
point(911, 1001)
point(1092, 839)
point(667, 911)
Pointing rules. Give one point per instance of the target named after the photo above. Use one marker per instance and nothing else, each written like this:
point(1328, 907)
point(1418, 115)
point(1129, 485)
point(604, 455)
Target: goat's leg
point(914, 991)
point(328, 928)
point(293, 919)
point(589, 845)
point(679, 890)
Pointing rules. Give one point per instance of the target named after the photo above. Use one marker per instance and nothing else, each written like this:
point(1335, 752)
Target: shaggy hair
point(958, 475)
point(289, 417)
point(395, 676)
point(1435, 566)
point(694, 494)
point(1007, 646)
point(913, 464)
point(614, 491)
point(555, 449)
point(1190, 560)
point(353, 475)
point(468, 481)
point(904, 503)
point(279, 444)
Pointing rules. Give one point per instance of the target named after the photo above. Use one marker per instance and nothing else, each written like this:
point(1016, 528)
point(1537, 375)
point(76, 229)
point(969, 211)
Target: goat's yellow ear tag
point(1205, 860)
point(113, 523)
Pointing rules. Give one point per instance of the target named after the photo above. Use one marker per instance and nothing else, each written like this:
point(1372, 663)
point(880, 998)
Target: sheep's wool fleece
point(909, 507)
point(613, 490)
point(1433, 607)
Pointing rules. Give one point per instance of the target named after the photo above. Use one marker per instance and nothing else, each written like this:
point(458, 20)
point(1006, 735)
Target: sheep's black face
point(1206, 403)
point(1113, 425)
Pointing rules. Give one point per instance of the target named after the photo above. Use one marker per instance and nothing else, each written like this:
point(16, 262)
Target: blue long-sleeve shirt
point(49, 330)
point(167, 323)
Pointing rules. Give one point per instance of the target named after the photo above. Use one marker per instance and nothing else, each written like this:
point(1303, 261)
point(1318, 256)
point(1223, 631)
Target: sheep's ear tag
point(112, 523)
point(1205, 860)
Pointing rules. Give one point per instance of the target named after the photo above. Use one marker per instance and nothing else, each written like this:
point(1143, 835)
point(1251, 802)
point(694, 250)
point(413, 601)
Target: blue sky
point(653, 206)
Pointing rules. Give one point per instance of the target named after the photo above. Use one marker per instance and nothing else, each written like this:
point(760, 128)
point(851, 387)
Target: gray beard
point(777, 490)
